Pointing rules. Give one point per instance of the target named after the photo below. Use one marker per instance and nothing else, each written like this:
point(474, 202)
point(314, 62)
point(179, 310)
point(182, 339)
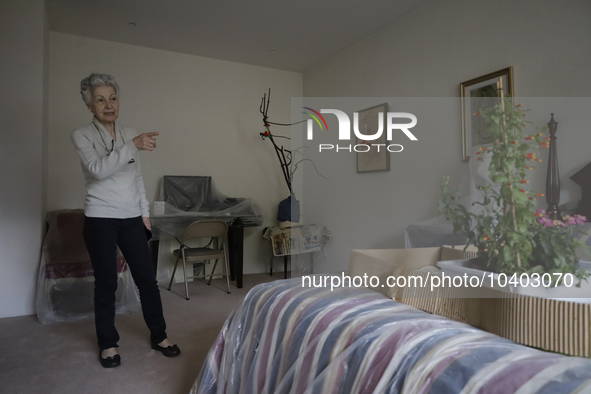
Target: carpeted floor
point(63, 358)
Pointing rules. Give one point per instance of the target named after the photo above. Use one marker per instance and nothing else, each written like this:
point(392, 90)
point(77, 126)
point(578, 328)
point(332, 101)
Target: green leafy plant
point(510, 236)
point(555, 247)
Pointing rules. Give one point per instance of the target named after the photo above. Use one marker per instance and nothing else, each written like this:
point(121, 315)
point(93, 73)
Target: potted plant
point(511, 237)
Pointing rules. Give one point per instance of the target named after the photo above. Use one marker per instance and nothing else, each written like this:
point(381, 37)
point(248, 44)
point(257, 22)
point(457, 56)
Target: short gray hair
point(94, 80)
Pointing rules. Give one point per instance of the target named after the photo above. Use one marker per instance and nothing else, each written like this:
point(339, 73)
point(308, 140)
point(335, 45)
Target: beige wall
point(23, 29)
point(207, 113)
point(431, 50)
point(427, 54)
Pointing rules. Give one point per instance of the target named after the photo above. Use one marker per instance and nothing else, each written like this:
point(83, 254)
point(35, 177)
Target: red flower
point(523, 191)
point(524, 181)
point(540, 194)
point(518, 105)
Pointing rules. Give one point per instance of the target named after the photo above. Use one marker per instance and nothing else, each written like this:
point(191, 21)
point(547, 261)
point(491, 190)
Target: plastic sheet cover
point(190, 198)
point(285, 338)
point(65, 283)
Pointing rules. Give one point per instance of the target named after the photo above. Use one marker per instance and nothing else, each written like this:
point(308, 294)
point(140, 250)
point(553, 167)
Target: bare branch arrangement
point(284, 155)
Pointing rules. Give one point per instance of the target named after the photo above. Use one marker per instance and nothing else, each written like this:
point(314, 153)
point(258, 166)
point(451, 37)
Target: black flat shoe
point(110, 362)
point(170, 351)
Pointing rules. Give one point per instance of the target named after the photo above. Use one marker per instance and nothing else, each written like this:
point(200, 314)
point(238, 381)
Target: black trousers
point(102, 236)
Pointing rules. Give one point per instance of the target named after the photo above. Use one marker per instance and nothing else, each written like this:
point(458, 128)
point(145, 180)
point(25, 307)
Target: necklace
point(103, 139)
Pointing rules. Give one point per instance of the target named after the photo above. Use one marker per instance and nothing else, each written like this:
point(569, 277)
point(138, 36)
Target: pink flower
point(580, 219)
point(569, 220)
point(557, 223)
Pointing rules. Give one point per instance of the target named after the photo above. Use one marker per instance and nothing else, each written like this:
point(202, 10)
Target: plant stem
point(283, 163)
point(507, 173)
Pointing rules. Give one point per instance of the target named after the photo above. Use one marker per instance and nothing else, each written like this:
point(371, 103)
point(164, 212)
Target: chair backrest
point(64, 242)
point(206, 228)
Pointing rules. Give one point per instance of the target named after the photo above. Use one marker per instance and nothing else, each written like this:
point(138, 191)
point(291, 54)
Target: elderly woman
point(116, 214)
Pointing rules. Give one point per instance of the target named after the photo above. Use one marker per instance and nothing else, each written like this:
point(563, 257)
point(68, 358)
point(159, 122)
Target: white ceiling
point(287, 35)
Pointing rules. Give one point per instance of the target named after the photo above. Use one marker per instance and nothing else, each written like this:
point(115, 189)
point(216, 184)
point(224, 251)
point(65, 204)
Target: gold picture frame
point(476, 94)
point(377, 157)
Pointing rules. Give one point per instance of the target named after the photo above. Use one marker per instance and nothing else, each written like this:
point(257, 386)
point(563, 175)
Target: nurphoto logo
point(392, 119)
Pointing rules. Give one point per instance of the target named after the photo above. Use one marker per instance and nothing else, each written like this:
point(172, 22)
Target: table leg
point(285, 267)
point(236, 250)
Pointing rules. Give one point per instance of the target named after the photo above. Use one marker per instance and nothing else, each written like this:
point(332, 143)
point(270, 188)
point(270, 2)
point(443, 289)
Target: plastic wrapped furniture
point(65, 285)
point(190, 198)
point(284, 338)
point(433, 232)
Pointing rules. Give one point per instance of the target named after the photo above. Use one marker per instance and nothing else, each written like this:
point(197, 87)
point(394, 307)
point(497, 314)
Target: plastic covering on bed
point(190, 198)
point(287, 339)
point(65, 283)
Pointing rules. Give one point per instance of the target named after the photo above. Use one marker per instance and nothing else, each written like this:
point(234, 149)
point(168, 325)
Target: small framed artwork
point(476, 94)
point(375, 157)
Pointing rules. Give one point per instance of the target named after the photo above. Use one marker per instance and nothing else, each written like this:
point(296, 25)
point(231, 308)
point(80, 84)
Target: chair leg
point(185, 274)
point(212, 271)
point(173, 272)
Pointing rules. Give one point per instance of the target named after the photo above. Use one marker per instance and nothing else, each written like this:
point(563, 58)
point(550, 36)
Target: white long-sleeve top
point(114, 183)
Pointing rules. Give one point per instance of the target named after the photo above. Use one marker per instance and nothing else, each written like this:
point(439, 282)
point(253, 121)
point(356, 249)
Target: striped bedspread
point(287, 339)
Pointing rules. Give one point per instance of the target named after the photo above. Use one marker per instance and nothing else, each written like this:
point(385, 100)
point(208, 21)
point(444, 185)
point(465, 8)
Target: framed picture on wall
point(477, 94)
point(375, 157)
